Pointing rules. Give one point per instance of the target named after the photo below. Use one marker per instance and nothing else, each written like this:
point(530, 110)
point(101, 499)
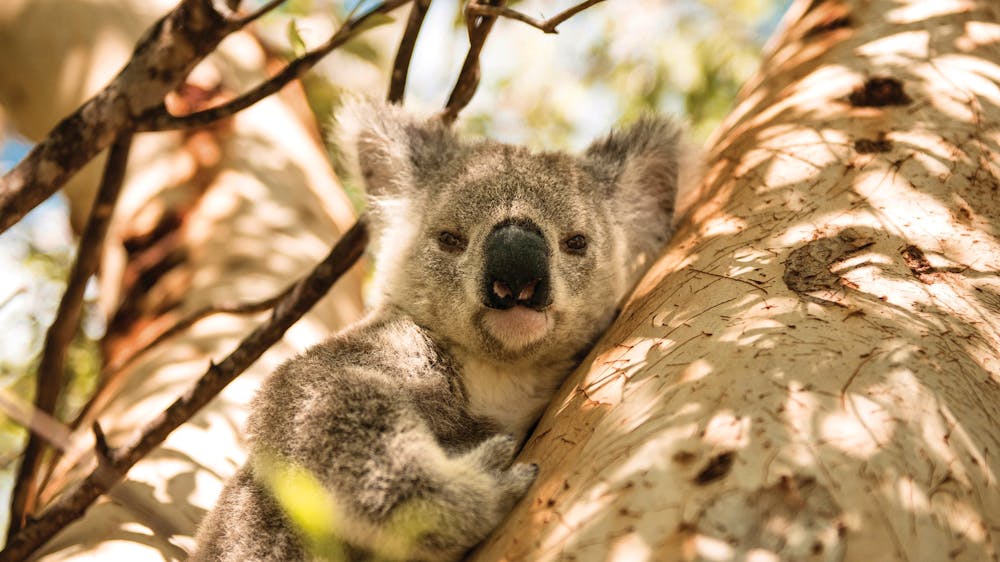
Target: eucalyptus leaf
point(295, 39)
point(374, 20)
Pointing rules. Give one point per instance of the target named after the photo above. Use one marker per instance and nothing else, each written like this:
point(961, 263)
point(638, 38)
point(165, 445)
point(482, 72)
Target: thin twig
point(115, 368)
point(101, 448)
point(160, 119)
point(548, 25)
point(401, 66)
point(480, 15)
point(468, 78)
point(190, 320)
point(21, 412)
point(48, 380)
point(252, 16)
point(58, 436)
point(305, 293)
point(27, 415)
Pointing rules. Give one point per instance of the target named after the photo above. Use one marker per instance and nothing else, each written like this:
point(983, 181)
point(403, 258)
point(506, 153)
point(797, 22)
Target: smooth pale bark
point(812, 370)
point(230, 214)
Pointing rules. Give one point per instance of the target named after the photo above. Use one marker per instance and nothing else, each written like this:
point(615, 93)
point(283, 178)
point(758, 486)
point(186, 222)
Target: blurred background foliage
point(606, 65)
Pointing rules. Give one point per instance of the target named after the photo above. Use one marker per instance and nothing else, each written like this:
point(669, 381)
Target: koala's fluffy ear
point(639, 165)
point(388, 146)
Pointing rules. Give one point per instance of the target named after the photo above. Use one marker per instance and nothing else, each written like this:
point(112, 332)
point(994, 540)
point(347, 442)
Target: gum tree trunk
point(812, 370)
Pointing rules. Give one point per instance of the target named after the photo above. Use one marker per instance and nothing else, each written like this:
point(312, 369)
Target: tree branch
point(191, 319)
point(253, 16)
point(401, 66)
point(303, 295)
point(468, 78)
point(548, 25)
point(58, 436)
point(161, 60)
point(23, 413)
point(48, 380)
point(160, 119)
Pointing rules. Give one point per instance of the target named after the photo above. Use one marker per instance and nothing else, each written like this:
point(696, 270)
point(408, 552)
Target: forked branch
point(160, 119)
point(480, 15)
point(159, 64)
point(58, 337)
point(468, 78)
point(192, 319)
point(547, 25)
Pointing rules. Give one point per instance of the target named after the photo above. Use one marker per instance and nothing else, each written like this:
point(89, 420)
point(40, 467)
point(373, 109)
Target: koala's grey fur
point(427, 399)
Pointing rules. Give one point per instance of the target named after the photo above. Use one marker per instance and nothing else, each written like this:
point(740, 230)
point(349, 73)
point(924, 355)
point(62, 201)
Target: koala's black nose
point(517, 267)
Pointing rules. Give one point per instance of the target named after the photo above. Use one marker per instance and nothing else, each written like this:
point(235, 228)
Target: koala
point(497, 268)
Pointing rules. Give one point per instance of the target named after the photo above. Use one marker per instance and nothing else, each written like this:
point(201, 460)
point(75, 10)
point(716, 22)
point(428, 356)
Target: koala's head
point(508, 253)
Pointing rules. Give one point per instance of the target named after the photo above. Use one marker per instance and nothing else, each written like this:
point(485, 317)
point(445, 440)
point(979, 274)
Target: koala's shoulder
point(382, 345)
point(375, 359)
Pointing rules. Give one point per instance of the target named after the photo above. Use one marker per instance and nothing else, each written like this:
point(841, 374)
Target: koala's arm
point(359, 432)
point(246, 524)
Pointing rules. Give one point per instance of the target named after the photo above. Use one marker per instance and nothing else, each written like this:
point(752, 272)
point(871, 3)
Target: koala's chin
point(517, 329)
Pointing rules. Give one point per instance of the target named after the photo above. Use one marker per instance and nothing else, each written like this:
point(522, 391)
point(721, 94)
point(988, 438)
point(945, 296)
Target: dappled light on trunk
point(812, 368)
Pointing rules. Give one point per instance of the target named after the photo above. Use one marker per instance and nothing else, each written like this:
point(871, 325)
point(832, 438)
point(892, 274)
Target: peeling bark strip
point(160, 62)
point(865, 431)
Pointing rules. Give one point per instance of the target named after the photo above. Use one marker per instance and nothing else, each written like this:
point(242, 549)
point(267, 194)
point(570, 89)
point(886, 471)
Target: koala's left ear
point(639, 165)
point(388, 145)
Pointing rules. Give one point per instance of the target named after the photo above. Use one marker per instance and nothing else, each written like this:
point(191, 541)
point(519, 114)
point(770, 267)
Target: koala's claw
point(522, 473)
point(516, 481)
point(495, 453)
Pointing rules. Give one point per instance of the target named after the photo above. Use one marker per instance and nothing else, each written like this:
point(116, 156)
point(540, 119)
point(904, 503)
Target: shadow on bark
point(811, 373)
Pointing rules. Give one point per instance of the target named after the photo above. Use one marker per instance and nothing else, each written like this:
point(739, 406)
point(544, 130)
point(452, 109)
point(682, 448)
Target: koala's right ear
point(388, 146)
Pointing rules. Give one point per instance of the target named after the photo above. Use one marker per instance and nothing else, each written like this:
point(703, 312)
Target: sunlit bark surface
point(812, 370)
point(226, 215)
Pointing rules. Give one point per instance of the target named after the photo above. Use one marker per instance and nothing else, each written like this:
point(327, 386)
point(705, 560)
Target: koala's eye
point(451, 241)
point(575, 244)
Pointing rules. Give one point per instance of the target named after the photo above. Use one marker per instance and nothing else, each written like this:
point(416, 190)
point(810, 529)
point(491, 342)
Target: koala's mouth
point(516, 327)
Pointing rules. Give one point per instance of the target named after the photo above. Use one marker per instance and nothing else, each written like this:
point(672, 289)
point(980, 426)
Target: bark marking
point(916, 260)
point(872, 146)
point(796, 518)
point(717, 467)
point(879, 91)
point(807, 268)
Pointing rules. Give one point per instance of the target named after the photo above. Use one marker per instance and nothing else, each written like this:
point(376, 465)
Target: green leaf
point(295, 39)
point(374, 20)
point(362, 49)
point(312, 510)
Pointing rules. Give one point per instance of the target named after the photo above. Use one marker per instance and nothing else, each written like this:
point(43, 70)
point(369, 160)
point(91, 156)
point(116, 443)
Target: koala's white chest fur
point(513, 396)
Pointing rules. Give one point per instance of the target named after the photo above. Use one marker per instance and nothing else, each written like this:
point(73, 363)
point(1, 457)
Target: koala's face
point(508, 253)
point(511, 253)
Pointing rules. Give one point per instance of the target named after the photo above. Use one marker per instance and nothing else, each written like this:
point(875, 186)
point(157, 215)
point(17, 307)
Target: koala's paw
point(495, 454)
point(516, 480)
point(494, 457)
